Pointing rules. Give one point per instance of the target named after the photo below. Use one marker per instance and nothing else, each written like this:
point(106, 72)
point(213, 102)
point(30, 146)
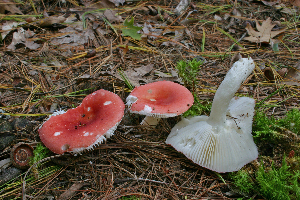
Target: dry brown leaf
point(23, 37)
point(293, 75)
point(111, 16)
point(270, 3)
point(49, 21)
point(73, 37)
point(264, 33)
point(296, 3)
point(137, 75)
point(8, 5)
point(117, 2)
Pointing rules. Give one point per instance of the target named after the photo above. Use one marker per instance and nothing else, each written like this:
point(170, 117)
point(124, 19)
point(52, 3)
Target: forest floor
point(54, 53)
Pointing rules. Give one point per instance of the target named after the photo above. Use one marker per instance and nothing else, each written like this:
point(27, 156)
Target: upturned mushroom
point(223, 141)
point(158, 100)
point(82, 128)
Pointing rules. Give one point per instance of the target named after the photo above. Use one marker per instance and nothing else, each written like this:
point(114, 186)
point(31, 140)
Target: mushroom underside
point(225, 148)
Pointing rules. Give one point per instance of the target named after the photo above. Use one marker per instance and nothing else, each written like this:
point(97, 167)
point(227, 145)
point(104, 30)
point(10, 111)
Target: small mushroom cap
point(224, 148)
point(160, 99)
point(83, 127)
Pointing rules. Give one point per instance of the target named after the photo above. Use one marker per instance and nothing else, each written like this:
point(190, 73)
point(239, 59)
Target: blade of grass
point(111, 26)
point(287, 48)
point(203, 40)
point(32, 5)
point(89, 12)
point(125, 79)
point(268, 97)
point(228, 35)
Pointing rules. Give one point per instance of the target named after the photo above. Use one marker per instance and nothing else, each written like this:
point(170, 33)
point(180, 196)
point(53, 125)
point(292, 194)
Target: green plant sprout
point(274, 184)
point(131, 30)
point(188, 72)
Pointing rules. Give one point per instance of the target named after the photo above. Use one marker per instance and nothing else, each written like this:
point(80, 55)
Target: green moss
point(199, 107)
point(268, 128)
point(278, 183)
point(264, 128)
point(274, 184)
point(243, 181)
point(291, 121)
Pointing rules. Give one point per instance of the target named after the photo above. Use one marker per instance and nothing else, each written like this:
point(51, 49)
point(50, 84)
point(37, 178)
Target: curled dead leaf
point(293, 75)
point(296, 3)
point(23, 37)
point(49, 21)
point(273, 74)
point(9, 6)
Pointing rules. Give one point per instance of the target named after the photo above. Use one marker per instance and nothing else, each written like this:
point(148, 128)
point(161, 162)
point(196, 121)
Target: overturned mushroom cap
point(221, 149)
point(223, 141)
point(161, 99)
point(81, 128)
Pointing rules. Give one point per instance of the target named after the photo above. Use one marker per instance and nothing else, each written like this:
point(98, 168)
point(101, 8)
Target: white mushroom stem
point(232, 82)
point(150, 121)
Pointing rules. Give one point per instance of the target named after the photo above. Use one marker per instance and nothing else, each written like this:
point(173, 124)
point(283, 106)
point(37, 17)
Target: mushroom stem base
point(150, 121)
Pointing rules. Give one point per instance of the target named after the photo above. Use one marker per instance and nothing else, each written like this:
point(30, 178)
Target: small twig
point(138, 179)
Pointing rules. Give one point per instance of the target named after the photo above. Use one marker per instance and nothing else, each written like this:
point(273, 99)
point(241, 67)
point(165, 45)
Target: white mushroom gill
point(223, 141)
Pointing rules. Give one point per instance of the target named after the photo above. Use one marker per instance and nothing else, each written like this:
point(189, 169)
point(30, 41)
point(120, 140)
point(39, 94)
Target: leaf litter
point(58, 59)
point(264, 34)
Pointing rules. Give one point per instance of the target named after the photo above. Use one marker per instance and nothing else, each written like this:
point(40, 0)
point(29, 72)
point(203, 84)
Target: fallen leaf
point(10, 7)
point(264, 33)
point(131, 30)
point(22, 37)
point(49, 21)
point(136, 75)
point(99, 4)
point(148, 29)
point(273, 74)
point(111, 16)
point(270, 3)
point(296, 3)
point(293, 75)
point(7, 27)
point(182, 6)
point(73, 37)
point(117, 2)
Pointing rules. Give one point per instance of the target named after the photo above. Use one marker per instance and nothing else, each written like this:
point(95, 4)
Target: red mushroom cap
point(83, 127)
point(160, 99)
